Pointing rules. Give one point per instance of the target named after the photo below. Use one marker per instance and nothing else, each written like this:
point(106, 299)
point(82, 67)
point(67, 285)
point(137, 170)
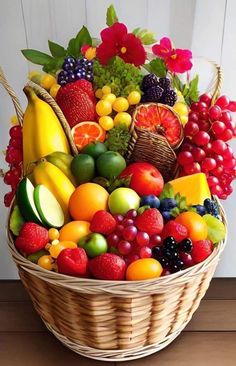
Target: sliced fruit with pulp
point(85, 132)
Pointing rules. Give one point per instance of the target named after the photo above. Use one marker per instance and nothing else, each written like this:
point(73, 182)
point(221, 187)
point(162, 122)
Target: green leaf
point(36, 57)
point(83, 37)
point(56, 50)
point(71, 47)
point(193, 92)
point(147, 37)
point(111, 17)
point(54, 65)
point(158, 67)
point(178, 198)
point(175, 212)
point(183, 204)
point(177, 83)
point(168, 192)
point(16, 221)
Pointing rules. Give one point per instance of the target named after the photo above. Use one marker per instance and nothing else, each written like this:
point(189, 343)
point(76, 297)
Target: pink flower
point(176, 60)
point(116, 41)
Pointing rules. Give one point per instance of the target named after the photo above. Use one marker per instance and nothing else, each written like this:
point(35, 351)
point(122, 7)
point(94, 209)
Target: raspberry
point(149, 81)
point(178, 231)
point(201, 250)
point(103, 222)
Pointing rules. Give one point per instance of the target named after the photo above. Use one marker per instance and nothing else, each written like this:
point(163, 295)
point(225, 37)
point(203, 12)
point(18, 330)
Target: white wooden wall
point(206, 26)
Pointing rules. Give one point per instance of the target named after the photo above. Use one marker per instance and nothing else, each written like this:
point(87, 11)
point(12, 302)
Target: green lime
point(83, 168)
point(110, 164)
point(216, 228)
point(94, 149)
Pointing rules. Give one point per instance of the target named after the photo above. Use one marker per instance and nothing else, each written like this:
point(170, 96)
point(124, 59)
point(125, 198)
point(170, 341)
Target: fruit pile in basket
point(98, 214)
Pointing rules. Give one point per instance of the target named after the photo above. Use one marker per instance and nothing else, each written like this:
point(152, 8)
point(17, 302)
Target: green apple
point(94, 244)
point(121, 200)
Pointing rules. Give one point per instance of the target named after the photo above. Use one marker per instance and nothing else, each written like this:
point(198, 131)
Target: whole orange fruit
point(144, 269)
point(74, 231)
point(196, 225)
point(87, 199)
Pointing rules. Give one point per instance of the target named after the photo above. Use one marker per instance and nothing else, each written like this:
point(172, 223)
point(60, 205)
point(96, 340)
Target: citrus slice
point(85, 132)
point(159, 118)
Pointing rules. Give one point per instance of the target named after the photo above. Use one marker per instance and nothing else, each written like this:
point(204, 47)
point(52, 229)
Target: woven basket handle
point(13, 96)
point(218, 83)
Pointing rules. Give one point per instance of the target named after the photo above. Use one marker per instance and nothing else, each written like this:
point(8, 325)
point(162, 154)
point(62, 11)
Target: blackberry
point(211, 207)
point(169, 242)
point(164, 83)
point(153, 94)
point(186, 245)
point(75, 70)
point(177, 265)
point(157, 252)
point(149, 81)
point(170, 254)
point(169, 97)
point(164, 262)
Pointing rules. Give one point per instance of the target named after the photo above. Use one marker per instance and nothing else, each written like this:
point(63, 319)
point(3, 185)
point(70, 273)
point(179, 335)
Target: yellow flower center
point(123, 50)
point(174, 56)
point(90, 53)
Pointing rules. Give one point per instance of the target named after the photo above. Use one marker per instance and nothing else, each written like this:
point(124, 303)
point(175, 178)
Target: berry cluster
point(205, 148)
point(209, 207)
point(158, 90)
point(75, 70)
point(14, 157)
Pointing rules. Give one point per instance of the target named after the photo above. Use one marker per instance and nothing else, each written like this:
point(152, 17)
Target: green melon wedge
point(48, 207)
point(25, 200)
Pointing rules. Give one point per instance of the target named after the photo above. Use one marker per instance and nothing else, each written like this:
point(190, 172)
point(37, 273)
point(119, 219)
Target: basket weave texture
point(113, 320)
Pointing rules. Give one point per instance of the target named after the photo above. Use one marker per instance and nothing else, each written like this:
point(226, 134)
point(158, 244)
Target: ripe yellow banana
point(56, 181)
point(63, 162)
point(42, 131)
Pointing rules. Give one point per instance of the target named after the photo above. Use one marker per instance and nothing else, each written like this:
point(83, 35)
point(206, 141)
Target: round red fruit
point(201, 138)
point(226, 116)
point(113, 240)
point(217, 190)
point(145, 179)
point(226, 135)
point(142, 239)
point(124, 247)
point(218, 127)
point(218, 146)
point(192, 168)
point(223, 101)
point(193, 116)
point(15, 132)
point(187, 147)
point(208, 164)
point(204, 125)
point(13, 156)
point(214, 112)
point(8, 198)
point(232, 106)
point(212, 181)
point(16, 142)
point(145, 252)
point(206, 98)
point(129, 233)
point(191, 128)
point(155, 240)
point(198, 154)
point(185, 158)
point(194, 106)
point(228, 152)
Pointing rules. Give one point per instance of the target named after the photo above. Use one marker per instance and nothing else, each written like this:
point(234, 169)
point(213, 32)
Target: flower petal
point(114, 33)
point(164, 49)
point(135, 52)
point(105, 51)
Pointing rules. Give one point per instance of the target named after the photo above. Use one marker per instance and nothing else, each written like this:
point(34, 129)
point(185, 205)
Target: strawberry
point(103, 222)
point(73, 262)
point(87, 87)
point(108, 266)
point(150, 221)
point(178, 231)
point(32, 238)
point(76, 104)
point(201, 250)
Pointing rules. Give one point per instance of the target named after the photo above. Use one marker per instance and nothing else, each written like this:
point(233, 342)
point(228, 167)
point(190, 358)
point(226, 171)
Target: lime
point(94, 149)
point(110, 164)
point(83, 168)
point(216, 228)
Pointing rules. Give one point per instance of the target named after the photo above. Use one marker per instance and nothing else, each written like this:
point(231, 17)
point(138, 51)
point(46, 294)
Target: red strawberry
point(76, 104)
point(72, 262)
point(87, 87)
point(103, 222)
point(201, 250)
point(178, 231)
point(32, 238)
point(150, 221)
point(108, 266)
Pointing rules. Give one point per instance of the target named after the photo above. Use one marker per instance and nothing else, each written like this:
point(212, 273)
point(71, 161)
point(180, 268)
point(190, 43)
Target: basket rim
point(115, 287)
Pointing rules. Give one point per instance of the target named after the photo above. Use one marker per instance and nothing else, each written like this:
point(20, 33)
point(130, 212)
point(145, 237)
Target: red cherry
point(217, 190)
point(232, 106)
point(192, 168)
point(201, 138)
point(223, 101)
point(214, 112)
point(226, 135)
point(191, 128)
point(124, 247)
point(198, 154)
point(217, 171)
point(113, 240)
point(226, 116)
point(145, 252)
point(14, 156)
point(155, 240)
point(185, 158)
point(206, 98)
point(230, 163)
point(8, 198)
point(219, 159)
point(16, 142)
point(218, 127)
point(207, 148)
point(219, 146)
point(194, 106)
point(204, 125)
point(15, 132)
point(212, 181)
point(208, 164)
point(193, 116)
point(228, 152)
point(142, 239)
point(187, 147)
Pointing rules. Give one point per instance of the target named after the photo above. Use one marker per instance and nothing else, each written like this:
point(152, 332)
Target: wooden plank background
point(206, 26)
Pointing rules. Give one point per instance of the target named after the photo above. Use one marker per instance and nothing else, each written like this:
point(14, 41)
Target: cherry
point(228, 152)
point(129, 233)
point(191, 128)
point(226, 135)
point(208, 164)
point(198, 154)
point(212, 181)
point(223, 101)
point(226, 116)
point(192, 168)
point(113, 240)
point(14, 156)
point(204, 125)
point(194, 106)
point(217, 190)
point(219, 146)
point(185, 158)
point(206, 98)
point(142, 239)
point(16, 132)
point(232, 106)
point(218, 127)
point(201, 138)
point(187, 147)
point(124, 247)
point(214, 112)
point(8, 198)
point(193, 116)
point(155, 240)
point(145, 252)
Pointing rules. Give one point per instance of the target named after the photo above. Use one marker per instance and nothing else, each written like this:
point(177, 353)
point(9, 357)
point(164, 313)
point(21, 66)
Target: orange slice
point(85, 132)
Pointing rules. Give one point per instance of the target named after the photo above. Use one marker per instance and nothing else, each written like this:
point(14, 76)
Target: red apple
point(144, 178)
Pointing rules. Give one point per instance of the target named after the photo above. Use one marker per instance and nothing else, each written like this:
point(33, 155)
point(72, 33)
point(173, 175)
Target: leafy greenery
point(157, 67)
point(111, 17)
point(168, 192)
point(118, 139)
point(147, 37)
point(189, 90)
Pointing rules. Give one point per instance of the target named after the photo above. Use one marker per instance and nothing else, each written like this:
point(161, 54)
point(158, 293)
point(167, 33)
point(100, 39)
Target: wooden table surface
point(208, 340)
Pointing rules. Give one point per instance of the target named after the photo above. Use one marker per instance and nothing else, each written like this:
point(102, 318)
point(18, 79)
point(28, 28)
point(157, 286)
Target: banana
point(63, 162)
point(42, 131)
point(56, 181)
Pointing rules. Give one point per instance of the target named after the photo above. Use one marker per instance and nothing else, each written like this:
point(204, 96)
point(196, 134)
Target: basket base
point(114, 355)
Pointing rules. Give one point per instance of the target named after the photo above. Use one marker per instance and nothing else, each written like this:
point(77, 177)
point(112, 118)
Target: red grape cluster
point(205, 148)
point(128, 241)
point(14, 157)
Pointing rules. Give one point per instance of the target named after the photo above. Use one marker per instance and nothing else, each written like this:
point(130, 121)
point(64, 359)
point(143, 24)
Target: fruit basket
point(115, 261)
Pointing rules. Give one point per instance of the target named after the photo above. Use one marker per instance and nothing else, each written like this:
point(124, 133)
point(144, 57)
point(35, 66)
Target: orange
point(74, 231)
point(144, 269)
point(87, 199)
point(85, 132)
point(196, 225)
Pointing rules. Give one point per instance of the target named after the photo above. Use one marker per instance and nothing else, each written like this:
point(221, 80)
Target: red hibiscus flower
point(116, 41)
point(176, 60)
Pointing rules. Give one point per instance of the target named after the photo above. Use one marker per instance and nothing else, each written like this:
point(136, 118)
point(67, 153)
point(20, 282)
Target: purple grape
point(83, 74)
point(77, 68)
point(68, 66)
point(78, 75)
point(70, 59)
point(84, 60)
point(62, 82)
point(71, 78)
point(89, 77)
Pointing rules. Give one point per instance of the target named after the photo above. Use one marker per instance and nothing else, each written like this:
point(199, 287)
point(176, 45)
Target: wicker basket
point(112, 320)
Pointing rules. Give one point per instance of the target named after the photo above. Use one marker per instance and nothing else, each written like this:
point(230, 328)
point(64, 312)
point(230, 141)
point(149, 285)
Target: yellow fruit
point(109, 97)
point(54, 89)
point(56, 181)
point(184, 119)
point(53, 234)
point(99, 93)
point(42, 131)
point(123, 117)
point(47, 81)
point(106, 122)
point(103, 108)
point(144, 269)
point(120, 105)
point(14, 120)
point(74, 231)
point(194, 187)
point(46, 262)
point(55, 250)
point(106, 89)
point(196, 225)
point(180, 96)
point(36, 76)
point(181, 108)
point(33, 73)
point(55, 242)
point(134, 97)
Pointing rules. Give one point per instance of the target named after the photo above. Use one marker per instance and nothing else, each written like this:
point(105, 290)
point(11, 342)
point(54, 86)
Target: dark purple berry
point(164, 83)
point(62, 82)
point(169, 97)
point(164, 262)
point(70, 59)
point(89, 77)
point(166, 215)
point(149, 81)
point(186, 245)
point(68, 66)
point(157, 252)
point(71, 78)
point(78, 75)
point(154, 93)
point(177, 265)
